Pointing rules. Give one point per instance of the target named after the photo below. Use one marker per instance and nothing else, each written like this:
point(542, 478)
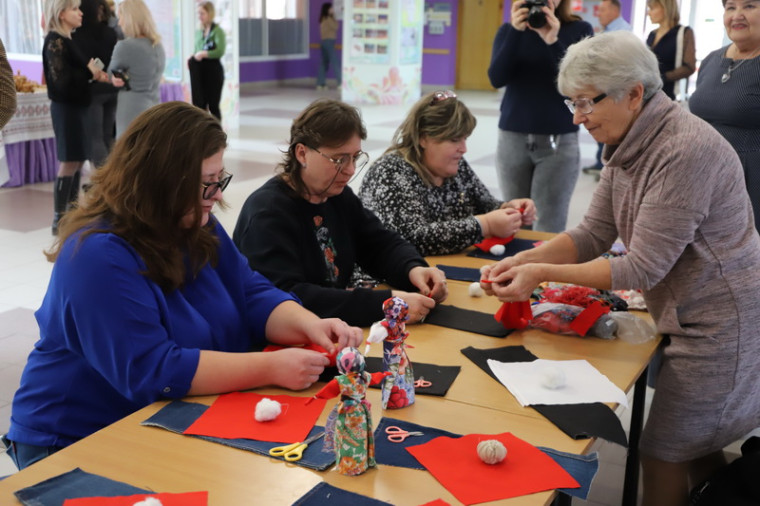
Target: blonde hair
point(437, 116)
point(137, 21)
point(210, 10)
point(52, 14)
point(672, 16)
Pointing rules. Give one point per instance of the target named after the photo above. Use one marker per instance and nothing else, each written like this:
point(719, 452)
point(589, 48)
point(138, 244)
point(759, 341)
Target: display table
point(27, 143)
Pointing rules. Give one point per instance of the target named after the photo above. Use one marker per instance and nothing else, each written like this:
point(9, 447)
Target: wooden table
point(156, 459)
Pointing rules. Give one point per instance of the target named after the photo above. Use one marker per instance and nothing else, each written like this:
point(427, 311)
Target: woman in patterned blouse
point(423, 187)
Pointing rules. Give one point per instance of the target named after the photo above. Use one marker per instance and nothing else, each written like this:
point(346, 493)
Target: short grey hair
point(611, 62)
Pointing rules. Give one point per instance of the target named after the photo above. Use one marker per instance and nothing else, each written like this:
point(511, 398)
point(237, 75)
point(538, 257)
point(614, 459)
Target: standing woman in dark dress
point(67, 74)
point(664, 43)
point(206, 70)
point(95, 38)
point(728, 90)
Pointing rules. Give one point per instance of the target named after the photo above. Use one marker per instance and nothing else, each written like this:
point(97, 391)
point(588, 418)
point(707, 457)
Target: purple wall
point(31, 69)
point(440, 69)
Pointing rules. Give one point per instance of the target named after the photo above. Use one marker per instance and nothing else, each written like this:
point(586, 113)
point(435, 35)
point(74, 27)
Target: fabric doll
point(398, 388)
point(348, 431)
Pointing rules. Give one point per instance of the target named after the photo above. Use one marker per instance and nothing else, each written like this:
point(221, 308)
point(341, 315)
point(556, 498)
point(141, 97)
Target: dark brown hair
point(325, 122)
point(564, 12)
point(151, 180)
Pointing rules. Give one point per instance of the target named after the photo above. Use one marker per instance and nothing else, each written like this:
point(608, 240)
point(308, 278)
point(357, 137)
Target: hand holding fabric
point(430, 281)
point(419, 305)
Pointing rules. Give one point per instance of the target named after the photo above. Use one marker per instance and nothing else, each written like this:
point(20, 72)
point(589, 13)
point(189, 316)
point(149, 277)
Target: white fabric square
point(583, 382)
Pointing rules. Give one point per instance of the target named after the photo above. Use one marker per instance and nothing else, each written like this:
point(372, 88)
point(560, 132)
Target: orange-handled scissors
point(398, 435)
point(422, 383)
point(294, 452)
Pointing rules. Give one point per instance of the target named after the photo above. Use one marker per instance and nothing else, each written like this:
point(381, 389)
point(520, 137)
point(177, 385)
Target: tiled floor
point(254, 150)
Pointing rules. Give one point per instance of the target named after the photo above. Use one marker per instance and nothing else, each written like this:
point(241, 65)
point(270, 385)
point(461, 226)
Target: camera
point(536, 17)
point(124, 76)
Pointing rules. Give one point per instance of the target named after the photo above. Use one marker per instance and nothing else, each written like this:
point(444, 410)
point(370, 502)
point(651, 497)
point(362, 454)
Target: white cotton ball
point(475, 290)
point(149, 501)
point(491, 451)
point(267, 410)
point(497, 250)
point(553, 378)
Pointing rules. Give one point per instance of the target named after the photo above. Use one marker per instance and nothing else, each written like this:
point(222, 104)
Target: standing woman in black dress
point(664, 43)
point(67, 74)
point(206, 70)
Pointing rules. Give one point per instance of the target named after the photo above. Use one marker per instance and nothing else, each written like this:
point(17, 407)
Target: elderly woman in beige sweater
point(673, 190)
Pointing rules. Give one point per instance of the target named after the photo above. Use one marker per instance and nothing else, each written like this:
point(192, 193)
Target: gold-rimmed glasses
point(210, 189)
point(584, 105)
point(359, 160)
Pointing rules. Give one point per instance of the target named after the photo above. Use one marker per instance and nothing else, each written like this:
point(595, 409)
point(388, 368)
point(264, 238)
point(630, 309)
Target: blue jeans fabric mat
point(73, 485)
point(512, 248)
point(440, 376)
point(460, 273)
point(465, 319)
point(581, 467)
point(324, 493)
point(395, 454)
point(177, 416)
point(579, 421)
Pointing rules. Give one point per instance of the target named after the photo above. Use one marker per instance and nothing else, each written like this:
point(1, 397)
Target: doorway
point(478, 22)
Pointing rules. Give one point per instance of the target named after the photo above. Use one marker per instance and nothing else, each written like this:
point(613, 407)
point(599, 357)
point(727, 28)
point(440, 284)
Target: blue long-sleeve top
point(528, 67)
point(112, 341)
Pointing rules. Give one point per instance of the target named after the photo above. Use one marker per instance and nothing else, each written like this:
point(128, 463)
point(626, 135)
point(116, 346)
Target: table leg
point(631, 483)
point(562, 500)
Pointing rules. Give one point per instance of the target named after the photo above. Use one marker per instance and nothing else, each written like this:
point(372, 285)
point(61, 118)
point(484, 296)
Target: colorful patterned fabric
point(398, 389)
point(328, 249)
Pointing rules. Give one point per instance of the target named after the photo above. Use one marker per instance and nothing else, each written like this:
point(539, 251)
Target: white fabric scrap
point(584, 383)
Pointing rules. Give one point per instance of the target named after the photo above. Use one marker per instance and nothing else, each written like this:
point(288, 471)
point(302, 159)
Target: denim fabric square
point(179, 415)
point(324, 493)
point(395, 454)
point(73, 485)
point(581, 467)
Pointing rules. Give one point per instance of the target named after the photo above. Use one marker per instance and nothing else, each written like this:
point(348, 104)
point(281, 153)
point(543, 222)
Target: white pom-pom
point(491, 451)
point(553, 378)
point(149, 501)
point(267, 410)
point(497, 250)
point(475, 290)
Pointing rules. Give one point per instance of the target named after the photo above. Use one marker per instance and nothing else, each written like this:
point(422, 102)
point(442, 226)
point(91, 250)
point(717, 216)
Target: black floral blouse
point(438, 220)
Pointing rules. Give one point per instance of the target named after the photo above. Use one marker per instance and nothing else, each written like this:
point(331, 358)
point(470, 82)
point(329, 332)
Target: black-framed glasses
point(360, 159)
point(210, 189)
point(584, 105)
point(441, 95)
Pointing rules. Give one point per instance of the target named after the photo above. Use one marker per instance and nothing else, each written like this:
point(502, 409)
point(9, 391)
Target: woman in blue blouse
point(149, 299)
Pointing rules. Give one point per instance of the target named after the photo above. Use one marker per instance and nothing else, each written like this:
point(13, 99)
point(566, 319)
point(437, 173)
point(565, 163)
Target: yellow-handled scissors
point(294, 452)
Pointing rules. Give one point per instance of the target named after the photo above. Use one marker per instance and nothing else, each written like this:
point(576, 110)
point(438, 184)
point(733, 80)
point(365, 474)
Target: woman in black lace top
point(67, 74)
point(423, 188)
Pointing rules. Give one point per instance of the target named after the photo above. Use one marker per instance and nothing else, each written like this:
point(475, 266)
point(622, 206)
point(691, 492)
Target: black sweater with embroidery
point(66, 73)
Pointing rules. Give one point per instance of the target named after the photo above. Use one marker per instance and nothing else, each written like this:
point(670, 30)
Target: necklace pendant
point(725, 77)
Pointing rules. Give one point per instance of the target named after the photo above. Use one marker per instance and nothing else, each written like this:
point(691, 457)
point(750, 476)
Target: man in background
point(609, 16)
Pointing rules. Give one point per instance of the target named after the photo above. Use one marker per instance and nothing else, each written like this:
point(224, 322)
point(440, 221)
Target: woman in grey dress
point(140, 59)
point(728, 90)
point(672, 190)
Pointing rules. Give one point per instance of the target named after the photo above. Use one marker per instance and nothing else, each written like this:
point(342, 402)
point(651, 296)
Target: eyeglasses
point(360, 159)
point(210, 189)
point(441, 95)
point(584, 105)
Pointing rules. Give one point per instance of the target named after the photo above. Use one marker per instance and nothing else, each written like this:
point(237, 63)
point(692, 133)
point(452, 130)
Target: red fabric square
point(231, 416)
point(183, 499)
point(487, 244)
point(454, 462)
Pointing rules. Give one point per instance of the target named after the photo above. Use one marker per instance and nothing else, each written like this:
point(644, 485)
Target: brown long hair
point(324, 122)
point(439, 119)
point(564, 12)
point(151, 180)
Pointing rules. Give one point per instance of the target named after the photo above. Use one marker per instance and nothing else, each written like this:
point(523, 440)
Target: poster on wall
point(167, 16)
point(411, 32)
point(370, 37)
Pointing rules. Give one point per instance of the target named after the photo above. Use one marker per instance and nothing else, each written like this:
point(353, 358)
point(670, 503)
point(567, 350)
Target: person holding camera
point(205, 66)
point(137, 64)
point(537, 156)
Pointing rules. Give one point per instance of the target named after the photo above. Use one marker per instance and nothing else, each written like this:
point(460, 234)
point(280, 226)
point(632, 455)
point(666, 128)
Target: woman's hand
point(430, 281)
point(526, 206)
point(327, 331)
point(295, 368)
point(519, 16)
point(200, 55)
point(419, 305)
point(117, 82)
point(501, 222)
point(517, 283)
point(489, 274)
point(550, 31)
